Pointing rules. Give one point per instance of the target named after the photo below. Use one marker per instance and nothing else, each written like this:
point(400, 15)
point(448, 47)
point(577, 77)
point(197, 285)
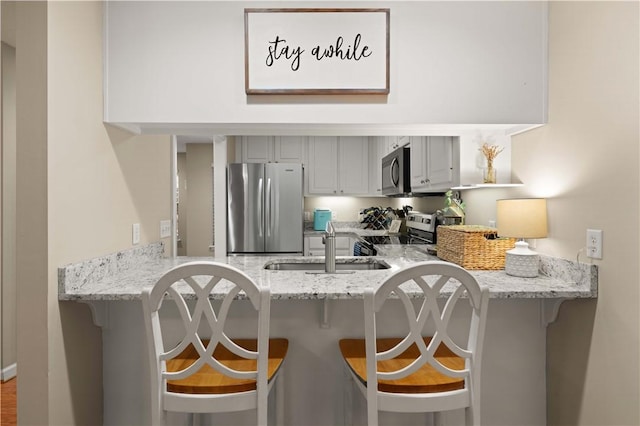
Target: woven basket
point(473, 246)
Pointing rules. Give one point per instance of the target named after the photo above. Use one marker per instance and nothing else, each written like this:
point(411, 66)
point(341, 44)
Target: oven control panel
point(422, 221)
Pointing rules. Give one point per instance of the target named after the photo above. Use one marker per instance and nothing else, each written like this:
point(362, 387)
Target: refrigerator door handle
point(268, 207)
point(260, 211)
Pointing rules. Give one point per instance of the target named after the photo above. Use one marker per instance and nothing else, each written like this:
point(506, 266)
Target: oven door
point(395, 172)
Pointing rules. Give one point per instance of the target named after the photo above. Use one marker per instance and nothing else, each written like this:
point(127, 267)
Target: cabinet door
point(433, 164)
point(418, 162)
point(257, 149)
point(439, 161)
point(344, 246)
point(323, 165)
point(377, 150)
point(353, 160)
point(313, 246)
point(289, 149)
point(392, 143)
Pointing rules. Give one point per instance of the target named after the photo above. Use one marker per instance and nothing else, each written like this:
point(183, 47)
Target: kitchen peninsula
point(314, 311)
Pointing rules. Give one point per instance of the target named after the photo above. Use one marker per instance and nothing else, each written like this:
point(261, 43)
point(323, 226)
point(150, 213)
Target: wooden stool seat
point(210, 381)
point(198, 369)
point(426, 380)
point(417, 374)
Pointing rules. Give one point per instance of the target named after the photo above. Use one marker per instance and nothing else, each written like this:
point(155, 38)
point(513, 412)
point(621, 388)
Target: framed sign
point(316, 51)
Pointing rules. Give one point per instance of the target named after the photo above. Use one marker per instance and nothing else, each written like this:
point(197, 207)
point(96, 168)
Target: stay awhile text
point(280, 49)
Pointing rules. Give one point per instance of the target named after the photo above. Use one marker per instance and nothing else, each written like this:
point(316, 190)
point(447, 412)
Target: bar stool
point(417, 373)
point(211, 373)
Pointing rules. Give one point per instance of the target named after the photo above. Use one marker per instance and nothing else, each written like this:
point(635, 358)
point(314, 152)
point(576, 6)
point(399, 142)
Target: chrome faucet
point(329, 241)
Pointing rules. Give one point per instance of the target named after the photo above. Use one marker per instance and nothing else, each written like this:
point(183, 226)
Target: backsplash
point(348, 208)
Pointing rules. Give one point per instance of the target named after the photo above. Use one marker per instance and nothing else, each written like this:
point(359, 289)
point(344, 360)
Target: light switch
point(165, 228)
point(594, 243)
point(135, 234)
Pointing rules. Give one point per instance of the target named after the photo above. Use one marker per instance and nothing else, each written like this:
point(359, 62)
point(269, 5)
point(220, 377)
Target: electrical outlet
point(334, 215)
point(594, 243)
point(135, 233)
point(165, 228)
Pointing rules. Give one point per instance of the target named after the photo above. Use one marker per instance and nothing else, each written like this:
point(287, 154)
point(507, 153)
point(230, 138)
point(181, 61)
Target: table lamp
point(522, 218)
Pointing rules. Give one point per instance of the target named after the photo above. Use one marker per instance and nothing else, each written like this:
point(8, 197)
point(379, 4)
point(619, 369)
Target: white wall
point(450, 62)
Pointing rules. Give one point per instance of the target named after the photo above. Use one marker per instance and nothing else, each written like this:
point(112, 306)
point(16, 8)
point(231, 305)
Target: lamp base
point(522, 261)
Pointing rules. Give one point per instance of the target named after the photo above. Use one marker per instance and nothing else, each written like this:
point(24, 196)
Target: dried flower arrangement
point(490, 152)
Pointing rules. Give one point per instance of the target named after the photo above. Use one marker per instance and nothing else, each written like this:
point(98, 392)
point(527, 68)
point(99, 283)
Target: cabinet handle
point(342, 190)
point(334, 191)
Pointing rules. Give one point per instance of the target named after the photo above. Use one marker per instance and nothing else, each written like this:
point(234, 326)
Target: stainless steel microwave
point(396, 177)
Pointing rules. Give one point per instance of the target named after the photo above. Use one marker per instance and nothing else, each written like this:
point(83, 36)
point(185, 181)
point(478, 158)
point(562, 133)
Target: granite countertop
point(122, 276)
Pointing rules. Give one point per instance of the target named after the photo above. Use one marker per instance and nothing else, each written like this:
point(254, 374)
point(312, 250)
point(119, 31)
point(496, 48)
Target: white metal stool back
point(202, 278)
point(432, 278)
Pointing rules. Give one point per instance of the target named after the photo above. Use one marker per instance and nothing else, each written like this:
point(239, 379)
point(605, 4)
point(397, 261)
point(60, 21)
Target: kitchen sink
point(341, 265)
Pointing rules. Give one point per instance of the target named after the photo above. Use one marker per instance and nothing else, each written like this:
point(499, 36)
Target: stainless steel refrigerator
point(264, 208)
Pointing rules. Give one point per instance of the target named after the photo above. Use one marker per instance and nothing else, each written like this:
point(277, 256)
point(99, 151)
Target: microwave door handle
point(394, 182)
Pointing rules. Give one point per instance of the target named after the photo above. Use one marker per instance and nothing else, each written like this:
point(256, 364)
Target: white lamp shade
point(522, 218)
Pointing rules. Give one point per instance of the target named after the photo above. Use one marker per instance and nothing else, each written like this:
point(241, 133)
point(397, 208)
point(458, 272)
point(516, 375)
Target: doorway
point(194, 196)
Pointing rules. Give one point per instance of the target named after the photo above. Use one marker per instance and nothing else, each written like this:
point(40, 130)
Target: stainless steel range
point(421, 229)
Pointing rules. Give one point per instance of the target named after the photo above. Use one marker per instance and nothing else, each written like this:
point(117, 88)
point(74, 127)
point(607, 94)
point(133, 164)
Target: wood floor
point(8, 414)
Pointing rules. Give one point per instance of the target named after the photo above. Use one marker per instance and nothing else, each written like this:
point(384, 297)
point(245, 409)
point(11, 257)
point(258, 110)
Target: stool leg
point(347, 398)
point(280, 398)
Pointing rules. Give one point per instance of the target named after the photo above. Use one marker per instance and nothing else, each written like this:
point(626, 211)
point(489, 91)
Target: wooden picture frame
point(316, 51)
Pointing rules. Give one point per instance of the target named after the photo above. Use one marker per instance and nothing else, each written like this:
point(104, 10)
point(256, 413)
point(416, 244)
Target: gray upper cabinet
point(271, 149)
point(377, 150)
point(392, 143)
point(353, 163)
point(289, 149)
point(338, 165)
point(323, 166)
point(435, 163)
point(255, 149)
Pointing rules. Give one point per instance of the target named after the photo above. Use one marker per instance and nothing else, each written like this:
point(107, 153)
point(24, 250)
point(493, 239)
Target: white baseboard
point(9, 372)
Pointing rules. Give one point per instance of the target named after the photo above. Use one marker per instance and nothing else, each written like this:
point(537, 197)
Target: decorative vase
point(489, 173)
